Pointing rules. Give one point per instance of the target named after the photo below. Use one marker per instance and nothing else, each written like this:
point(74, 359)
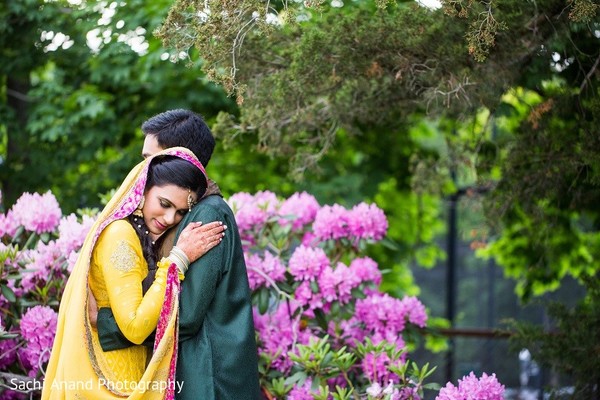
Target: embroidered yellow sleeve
point(123, 266)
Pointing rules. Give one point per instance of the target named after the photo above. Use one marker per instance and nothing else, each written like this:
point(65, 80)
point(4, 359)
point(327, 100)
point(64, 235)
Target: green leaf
point(8, 293)
point(263, 300)
point(321, 319)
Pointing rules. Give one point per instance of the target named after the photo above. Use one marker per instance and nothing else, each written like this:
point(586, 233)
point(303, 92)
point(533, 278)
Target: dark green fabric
point(217, 349)
point(111, 338)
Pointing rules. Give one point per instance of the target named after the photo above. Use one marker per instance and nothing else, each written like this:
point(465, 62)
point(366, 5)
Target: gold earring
point(190, 200)
point(138, 211)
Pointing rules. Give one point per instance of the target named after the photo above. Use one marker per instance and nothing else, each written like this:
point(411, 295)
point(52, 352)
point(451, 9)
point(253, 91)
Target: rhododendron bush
point(324, 328)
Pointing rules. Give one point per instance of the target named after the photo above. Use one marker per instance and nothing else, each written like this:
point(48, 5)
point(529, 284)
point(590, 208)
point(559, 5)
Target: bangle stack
point(178, 257)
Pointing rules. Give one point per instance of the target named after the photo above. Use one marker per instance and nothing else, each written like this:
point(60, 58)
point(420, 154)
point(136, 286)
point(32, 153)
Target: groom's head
point(175, 128)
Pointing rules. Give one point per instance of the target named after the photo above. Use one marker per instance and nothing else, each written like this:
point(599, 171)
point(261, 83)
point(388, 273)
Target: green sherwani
point(217, 348)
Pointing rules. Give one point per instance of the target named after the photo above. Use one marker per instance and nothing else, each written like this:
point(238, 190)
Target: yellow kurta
point(116, 272)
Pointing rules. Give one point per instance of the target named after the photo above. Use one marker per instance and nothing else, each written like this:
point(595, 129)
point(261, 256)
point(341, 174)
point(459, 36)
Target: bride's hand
point(197, 238)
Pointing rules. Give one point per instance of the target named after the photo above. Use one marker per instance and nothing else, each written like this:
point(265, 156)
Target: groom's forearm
point(109, 334)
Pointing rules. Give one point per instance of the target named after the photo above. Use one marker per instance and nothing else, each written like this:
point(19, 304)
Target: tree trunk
point(16, 136)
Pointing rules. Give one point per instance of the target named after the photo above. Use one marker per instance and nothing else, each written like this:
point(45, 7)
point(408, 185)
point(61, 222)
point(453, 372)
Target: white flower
point(374, 390)
point(389, 389)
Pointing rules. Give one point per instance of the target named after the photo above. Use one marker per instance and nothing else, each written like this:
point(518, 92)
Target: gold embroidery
point(123, 258)
point(161, 351)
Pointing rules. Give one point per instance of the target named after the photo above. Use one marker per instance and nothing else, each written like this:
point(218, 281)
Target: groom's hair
point(182, 128)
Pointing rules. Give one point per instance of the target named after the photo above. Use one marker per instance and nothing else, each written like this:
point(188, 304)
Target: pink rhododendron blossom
point(263, 270)
point(366, 269)
point(382, 317)
point(267, 201)
point(71, 260)
point(375, 367)
point(8, 224)
point(405, 394)
point(337, 284)
point(327, 284)
point(307, 263)
point(37, 213)
point(8, 394)
point(71, 233)
point(471, 388)
point(301, 208)
point(309, 239)
point(331, 222)
point(246, 214)
point(367, 221)
point(252, 212)
point(308, 298)
point(278, 332)
point(8, 352)
point(38, 327)
point(302, 392)
point(416, 311)
point(41, 263)
point(381, 312)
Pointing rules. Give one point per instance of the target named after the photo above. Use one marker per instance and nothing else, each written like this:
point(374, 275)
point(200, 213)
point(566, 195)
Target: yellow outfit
point(111, 264)
point(116, 272)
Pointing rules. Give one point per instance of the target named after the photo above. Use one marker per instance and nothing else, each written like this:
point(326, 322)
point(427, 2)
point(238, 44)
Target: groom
point(217, 356)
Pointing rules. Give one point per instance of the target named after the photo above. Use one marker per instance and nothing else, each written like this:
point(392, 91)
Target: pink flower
point(416, 311)
point(367, 222)
point(309, 239)
point(8, 353)
point(260, 268)
point(366, 270)
point(71, 260)
point(301, 208)
point(278, 332)
point(8, 394)
point(41, 263)
point(8, 224)
point(252, 212)
point(308, 298)
point(382, 317)
point(71, 233)
point(331, 222)
point(375, 367)
point(307, 263)
point(471, 388)
point(267, 201)
point(38, 327)
point(37, 213)
point(302, 392)
point(337, 284)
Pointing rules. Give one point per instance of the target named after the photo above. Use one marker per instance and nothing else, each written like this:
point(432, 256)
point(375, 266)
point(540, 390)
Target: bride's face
point(164, 207)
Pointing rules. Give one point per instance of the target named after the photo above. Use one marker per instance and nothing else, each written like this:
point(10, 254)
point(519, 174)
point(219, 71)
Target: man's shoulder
point(214, 200)
point(213, 204)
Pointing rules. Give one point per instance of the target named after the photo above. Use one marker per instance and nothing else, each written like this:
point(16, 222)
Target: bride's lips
point(159, 225)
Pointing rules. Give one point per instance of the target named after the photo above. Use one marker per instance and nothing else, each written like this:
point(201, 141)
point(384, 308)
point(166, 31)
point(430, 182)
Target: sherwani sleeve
point(119, 255)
